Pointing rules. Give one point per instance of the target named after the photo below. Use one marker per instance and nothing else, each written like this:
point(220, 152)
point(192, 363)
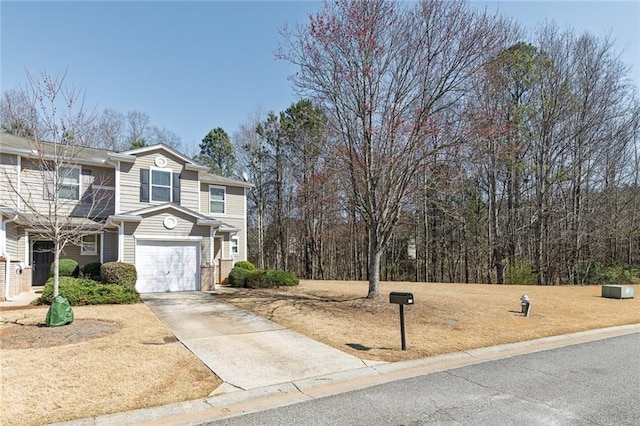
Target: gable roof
point(26, 147)
point(156, 147)
point(136, 216)
point(29, 148)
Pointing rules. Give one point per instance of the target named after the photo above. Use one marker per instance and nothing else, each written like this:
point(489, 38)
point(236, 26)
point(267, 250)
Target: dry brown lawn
point(110, 359)
point(118, 358)
point(445, 318)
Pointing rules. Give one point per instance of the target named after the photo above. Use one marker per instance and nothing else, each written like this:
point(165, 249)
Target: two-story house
point(182, 227)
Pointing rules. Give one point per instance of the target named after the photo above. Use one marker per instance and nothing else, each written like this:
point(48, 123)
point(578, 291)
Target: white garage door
point(167, 266)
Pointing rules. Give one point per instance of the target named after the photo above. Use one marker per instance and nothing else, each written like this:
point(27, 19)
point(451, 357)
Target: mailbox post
point(401, 299)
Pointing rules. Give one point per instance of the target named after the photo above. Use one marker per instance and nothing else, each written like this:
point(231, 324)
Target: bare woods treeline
point(529, 176)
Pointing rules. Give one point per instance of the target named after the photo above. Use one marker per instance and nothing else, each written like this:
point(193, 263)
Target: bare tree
point(111, 131)
point(16, 115)
point(116, 131)
point(49, 198)
point(254, 164)
point(383, 71)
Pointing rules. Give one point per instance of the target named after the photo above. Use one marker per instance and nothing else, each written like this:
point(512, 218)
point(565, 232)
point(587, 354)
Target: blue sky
point(194, 66)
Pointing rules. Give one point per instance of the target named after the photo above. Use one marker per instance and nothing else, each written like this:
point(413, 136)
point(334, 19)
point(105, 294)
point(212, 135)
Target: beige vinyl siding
point(32, 189)
point(205, 249)
point(8, 180)
point(189, 189)
point(32, 186)
point(234, 200)
point(226, 238)
point(204, 198)
point(154, 225)
point(130, 181)
point(129, 243)
point(24, 257)
point(12, 241)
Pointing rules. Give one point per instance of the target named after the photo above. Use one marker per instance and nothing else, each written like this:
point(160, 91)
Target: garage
point(167, 266)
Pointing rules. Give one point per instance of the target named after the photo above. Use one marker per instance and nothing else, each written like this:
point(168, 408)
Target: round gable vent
point(161, 161)
point(170, 222)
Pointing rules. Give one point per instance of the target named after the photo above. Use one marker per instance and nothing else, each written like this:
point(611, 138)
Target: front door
point(41, 261)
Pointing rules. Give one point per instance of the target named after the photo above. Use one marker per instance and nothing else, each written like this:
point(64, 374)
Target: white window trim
point(234, 242)
point(164, 170)
point(85, 252)
point(60, 184)
point(224, 188)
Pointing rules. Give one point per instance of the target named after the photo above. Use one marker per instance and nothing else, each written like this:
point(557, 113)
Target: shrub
point(245, 265)
point(66, 268)
point(85, 291)
point(521, 273)
point(258, 279)
point(119, 273)
point(238, 277)
point(612, 274)
point(92, 270)
point(279, 278)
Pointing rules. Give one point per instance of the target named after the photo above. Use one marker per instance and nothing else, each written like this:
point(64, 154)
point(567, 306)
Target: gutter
point(7, 257)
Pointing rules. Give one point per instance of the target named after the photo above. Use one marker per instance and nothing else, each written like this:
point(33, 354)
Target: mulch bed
point(19, 335)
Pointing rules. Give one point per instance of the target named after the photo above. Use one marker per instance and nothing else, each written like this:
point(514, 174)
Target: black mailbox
point(401, 298)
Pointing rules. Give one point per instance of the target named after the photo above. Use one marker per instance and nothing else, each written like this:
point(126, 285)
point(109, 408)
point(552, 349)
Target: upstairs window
point(69, 183)
point(217, 200)
point(160, 185)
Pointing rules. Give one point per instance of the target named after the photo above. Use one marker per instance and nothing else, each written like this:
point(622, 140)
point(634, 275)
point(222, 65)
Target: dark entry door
point(42, 260)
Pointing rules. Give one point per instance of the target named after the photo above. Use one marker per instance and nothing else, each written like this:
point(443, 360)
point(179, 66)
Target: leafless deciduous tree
point(119, 132)
point(49, 199)
point(383, 71)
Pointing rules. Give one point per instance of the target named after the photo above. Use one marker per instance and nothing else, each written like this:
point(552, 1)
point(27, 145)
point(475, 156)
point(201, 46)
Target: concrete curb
point(243, 402)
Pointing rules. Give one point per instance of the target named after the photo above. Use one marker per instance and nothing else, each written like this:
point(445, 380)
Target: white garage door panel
point(167, 266)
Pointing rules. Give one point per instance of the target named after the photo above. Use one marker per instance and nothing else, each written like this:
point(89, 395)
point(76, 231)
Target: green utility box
point(618, 291)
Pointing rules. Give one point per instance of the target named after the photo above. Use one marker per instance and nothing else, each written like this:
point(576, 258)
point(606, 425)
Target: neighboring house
point(182, 227)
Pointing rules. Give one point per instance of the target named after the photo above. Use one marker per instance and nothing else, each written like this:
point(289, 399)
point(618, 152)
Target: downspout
point(212, 235)
point(7, 257)
point(116, 195)
point(19, 181)
point(121, 241)
point(102, 247)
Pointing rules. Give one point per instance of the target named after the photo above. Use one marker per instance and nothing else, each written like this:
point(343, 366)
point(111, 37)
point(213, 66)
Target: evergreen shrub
point(238, 277)
point(282, 278)
point(85, 291)
point(66, 268)
point(245, 265)
point(119, 273)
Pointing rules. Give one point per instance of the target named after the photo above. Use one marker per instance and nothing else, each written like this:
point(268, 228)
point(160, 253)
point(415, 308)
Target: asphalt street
point(596, 383)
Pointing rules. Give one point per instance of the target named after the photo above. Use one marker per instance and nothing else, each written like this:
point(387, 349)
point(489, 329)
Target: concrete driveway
point(246, 351)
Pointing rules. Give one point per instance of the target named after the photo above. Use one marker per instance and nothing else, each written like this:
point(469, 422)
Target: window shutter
point(176, 188)
point(87, 185)
point(144, 185)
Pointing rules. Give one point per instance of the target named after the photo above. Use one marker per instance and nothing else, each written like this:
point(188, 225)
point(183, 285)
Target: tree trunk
point(375, 253)
point(56, 269)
